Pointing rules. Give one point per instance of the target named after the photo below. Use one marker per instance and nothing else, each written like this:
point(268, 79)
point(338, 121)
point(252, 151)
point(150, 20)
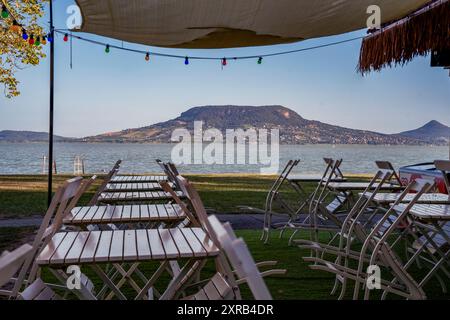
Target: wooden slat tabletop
point(429, 212)
point(429, 198)
point(354, 186)
point(125, 214)
point(131, 179)
point(92, 247)
point(310, 178)
point(134, 186)
point(113, 197)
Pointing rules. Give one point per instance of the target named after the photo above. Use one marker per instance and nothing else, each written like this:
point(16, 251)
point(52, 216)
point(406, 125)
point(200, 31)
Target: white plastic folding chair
point(324, 215)
point(98, 194)
point(63, 201)
point(275, 198)
point(11, 263)
point(376, 250)
point(200, 213)
point(386, 165)
point(240, 258)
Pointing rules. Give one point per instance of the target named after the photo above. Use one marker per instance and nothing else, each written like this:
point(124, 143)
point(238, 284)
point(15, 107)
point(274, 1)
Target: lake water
point(26, 158)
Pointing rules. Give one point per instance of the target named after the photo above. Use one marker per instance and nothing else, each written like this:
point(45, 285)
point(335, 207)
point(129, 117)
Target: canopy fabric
point(231, 23)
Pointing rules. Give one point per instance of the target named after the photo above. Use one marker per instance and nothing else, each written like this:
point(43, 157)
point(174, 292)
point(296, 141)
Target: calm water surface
point(26, 158)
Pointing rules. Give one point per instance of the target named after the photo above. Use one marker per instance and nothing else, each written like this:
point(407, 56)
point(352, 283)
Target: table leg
point(107, 281)
point(176, 282)
point(152, 280)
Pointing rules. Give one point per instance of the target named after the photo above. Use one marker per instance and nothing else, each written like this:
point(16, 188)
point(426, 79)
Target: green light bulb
point(5, 13)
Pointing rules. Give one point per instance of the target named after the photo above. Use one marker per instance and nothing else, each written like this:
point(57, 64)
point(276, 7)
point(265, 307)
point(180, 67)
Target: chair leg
point(265, 227)
point(335, 287)
point(269, 224)
point(291, 238)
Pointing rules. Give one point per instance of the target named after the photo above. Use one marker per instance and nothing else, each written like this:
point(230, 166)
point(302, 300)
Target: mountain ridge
point(294, 129)
point(433, 131)
point(29, 136)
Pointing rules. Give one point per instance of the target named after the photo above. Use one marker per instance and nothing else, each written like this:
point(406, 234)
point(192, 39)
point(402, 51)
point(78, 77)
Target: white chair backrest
point(190, 214)
point(377, 239)
point(111, 174)
point(117, 164)
point(51, 223)
point(11, 262)
point(337, 171)
point(202, 217)
point(240, 258)
point(170, 170)
point(281, 178)
point(386, 165)
point(173, 169)
point(321, 191)
point(194, 198)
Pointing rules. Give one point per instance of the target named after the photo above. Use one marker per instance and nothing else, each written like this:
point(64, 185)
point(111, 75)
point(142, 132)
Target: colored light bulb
point(66, 37)
point(107, 48)
point(44, 40)
point(31, 40)
point(147, 57)
point(38, 41)
point(224, 61)
point(15, 26)
point(5, 13)
point(49, 37)
point(260, 60)
point(24, 34)
point(186, 61)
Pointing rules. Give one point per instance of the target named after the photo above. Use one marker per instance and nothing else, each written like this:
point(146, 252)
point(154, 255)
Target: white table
point(125, 214)
point(134, 186)
point(97, 248)
point(137, 178)
point(136, 197)
point(426, 198)
point(356, 186)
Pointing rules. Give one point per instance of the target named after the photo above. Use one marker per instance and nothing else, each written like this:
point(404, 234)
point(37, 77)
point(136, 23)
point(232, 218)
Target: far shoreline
point(207, 142)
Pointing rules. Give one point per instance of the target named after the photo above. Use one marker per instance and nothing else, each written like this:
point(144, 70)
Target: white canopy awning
point(231, 23)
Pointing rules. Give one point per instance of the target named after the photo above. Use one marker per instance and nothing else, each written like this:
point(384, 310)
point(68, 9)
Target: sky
point(120, 90)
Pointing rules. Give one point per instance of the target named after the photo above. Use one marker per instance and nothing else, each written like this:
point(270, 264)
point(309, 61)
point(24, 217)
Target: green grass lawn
point(26, 195)
point(300, 282)
point(22, 196)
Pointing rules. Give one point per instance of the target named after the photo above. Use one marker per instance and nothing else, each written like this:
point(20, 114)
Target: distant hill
point(27, 136)
point(432, 132)
point(294, 129)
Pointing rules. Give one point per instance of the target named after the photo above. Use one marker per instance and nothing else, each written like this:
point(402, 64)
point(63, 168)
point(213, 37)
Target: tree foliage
point(15, 52)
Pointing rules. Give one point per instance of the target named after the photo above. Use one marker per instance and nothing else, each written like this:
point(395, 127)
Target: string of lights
point(42, 39)
point(224, 60)
point(31, 37)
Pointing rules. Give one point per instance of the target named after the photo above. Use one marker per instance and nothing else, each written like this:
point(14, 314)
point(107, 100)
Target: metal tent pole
point(50, 131)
